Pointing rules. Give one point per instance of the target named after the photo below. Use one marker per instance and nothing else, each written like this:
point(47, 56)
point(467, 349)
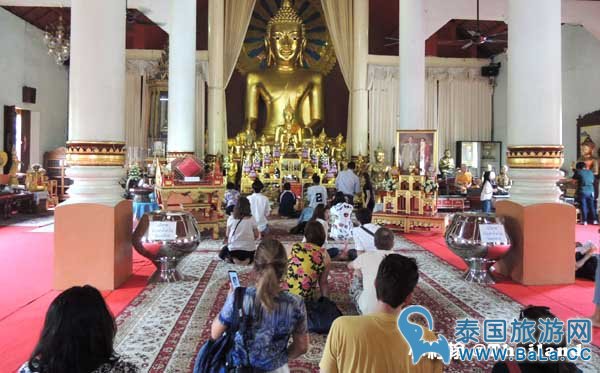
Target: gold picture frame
point(418, 147)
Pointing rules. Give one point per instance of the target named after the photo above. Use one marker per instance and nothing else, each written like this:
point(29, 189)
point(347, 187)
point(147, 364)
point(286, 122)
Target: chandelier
point(57, 41)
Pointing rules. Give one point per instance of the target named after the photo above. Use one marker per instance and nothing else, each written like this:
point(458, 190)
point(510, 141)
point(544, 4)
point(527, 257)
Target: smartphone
point(234, 279)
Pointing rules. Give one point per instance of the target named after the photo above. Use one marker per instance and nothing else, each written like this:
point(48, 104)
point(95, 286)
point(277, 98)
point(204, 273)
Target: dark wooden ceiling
point(142, 33)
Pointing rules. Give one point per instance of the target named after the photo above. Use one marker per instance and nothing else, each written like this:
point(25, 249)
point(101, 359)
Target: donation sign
point(491, 233)
point(162, 231)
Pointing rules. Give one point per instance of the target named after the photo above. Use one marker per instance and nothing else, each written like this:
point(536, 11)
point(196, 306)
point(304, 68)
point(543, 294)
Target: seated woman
point(537, 313)
point(240, 235)
point(287, 202)
point(341, 218)
point(77, 336)
point(586, 260)
point(309, 263)
point(277, 316)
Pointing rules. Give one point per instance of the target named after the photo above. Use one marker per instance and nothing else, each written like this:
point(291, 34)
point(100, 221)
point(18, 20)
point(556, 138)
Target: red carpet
point(566, 301)
point(26, 291)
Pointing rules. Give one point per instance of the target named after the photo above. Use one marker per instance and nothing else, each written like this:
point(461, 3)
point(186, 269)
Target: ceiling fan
point(476, 37)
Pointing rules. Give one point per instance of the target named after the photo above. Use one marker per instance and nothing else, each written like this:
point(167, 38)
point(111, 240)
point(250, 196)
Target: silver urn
point(166, 237)
point(479, 251)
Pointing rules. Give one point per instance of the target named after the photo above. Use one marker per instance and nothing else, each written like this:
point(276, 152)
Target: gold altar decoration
point(95, 153)
point(535, 156)
point(35, 179)
point(14, 168)
point(379, 169)
point(3, 159)
point(587, 149)
point(288, 69)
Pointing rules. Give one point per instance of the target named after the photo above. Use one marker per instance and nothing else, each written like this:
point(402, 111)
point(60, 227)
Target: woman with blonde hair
point(275, 315)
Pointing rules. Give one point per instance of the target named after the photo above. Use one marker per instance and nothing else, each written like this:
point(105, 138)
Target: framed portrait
point(418, 150)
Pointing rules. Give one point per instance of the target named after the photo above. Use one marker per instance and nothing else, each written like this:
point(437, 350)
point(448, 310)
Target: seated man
point(364, 234)
point(316, 195)
point(362, 288)
point(287, 201)
point(260, 206)
point(464, 179)
point(373, 343)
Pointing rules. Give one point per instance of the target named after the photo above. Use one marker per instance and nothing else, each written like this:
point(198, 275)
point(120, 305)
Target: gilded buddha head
point(284, 39)
point(379, 154)
point(587, 148)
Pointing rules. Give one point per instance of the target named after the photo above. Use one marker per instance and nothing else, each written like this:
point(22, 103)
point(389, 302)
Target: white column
point(412, 64)
point(96, 101)
point(182, 77)
point(360, 99)
point(534, 96)
point(216, 89)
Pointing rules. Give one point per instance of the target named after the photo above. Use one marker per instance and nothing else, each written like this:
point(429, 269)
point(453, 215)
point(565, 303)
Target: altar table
point(12, 201)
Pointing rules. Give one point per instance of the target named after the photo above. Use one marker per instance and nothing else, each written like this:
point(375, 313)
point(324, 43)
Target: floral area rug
point(164, 327)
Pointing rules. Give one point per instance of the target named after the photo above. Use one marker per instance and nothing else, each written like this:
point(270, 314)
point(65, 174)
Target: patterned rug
point(163, 328)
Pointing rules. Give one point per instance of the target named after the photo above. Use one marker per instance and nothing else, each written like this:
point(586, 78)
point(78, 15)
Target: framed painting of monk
point(416, 151)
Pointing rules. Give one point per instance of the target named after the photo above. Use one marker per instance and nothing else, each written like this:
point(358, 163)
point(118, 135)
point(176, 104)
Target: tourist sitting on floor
point(276, 316)
point(348, 183)
point(77, 336)
point(231, 197)
point(362, 287)
point(317, 195)
point(364, 234)
point(585, 193)
point(309, 264)
point(287, 201)
point(373, 343)
point(240, 235)
point(536, 313)
point(341, 228)
point(321, 215)
point(260, 206)
point(586, 260)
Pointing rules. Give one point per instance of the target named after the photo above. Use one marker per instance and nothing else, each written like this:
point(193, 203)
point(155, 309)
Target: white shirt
point(260, 207)
point(487, 191)
point(341, 221)
point(368, 263)
point(317, 195)
point(347, 182)
point(243, 236)
point(363, 240)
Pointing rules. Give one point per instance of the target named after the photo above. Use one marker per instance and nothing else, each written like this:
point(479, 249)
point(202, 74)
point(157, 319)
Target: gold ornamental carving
point(95, 153)
point(535, 156)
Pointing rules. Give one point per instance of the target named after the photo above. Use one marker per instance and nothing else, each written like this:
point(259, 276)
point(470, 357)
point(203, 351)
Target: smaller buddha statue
point(288, 130)
point(503, 180)
point(446, 164)
point(34, 179)
point(464, 179)
point(587, 149)
point(379, 170)
point(338, 149)
point(14, 169)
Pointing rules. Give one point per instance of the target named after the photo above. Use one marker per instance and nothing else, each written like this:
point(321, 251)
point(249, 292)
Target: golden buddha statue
point(379, 170)
point(587, 149)
point(284, 81)
point(14, 169)
point(503, 180)
point(446, 164)
point(288, 131)
point(34, 179)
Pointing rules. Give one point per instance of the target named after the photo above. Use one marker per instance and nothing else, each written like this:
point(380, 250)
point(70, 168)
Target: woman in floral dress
point(309, 263)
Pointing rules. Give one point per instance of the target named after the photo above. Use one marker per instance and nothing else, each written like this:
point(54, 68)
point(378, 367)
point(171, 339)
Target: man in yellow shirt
point(373, 343)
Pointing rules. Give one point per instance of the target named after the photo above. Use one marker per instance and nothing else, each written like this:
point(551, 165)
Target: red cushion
point(189, 167)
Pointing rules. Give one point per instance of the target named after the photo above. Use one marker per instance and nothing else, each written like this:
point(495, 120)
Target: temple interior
point(166, 152)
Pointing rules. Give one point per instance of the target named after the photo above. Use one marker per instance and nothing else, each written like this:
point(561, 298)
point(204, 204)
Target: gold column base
point(535, 156)
point(95, 153)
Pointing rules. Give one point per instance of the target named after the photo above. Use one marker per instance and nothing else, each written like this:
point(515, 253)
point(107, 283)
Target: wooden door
point(10, 132)
point(25, 156)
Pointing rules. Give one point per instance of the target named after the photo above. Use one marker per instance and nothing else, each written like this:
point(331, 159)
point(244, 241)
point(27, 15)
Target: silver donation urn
point(166, 237)
point(479, 251)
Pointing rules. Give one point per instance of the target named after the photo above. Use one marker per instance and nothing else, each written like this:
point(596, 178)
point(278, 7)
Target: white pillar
point(216, 90)
point(359, 95)
point(534, 99)
point(96, 101)
point(182, 77)
point(412, 64)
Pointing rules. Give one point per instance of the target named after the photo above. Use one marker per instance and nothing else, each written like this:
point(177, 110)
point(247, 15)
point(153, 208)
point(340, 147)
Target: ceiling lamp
point(57, 41)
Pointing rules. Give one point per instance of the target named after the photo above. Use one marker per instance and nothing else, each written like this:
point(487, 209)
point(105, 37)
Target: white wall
point(24, 61)
point(580, 85)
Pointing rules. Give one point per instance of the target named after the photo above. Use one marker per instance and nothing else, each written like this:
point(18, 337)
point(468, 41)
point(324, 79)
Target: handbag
point(321, 314)
point(215, 355)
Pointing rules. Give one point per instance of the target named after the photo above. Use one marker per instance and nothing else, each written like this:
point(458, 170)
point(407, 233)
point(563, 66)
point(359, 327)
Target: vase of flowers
point(430, 187)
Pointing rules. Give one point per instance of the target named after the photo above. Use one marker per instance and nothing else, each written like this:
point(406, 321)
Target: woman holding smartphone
point(276, 316)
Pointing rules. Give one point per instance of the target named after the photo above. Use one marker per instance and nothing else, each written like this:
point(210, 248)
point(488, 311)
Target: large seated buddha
point(284, 82)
